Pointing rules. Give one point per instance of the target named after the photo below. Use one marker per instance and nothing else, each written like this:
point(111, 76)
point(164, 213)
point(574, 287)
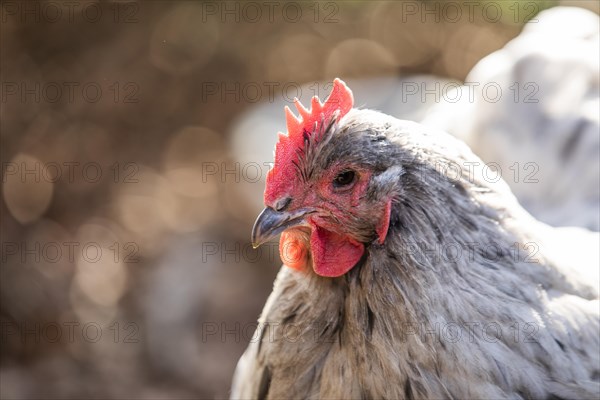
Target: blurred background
point(135, 139)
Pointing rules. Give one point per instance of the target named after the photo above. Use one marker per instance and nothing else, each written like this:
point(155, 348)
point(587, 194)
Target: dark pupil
point(344, 178)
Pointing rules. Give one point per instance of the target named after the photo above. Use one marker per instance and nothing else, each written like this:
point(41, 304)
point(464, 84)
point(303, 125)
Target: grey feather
point(409, 321)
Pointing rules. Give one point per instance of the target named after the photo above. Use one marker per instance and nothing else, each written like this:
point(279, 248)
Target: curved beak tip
point(264, 225)
point(271, 223)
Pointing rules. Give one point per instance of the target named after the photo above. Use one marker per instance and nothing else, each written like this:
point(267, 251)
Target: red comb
point(281, 176)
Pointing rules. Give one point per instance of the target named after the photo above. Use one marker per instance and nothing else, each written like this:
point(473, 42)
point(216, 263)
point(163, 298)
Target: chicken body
point(467, 297)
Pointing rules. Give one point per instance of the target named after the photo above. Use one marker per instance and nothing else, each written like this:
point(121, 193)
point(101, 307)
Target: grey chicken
point(411, 271)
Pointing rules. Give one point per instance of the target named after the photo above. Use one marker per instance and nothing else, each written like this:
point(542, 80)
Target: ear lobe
point(384, 222)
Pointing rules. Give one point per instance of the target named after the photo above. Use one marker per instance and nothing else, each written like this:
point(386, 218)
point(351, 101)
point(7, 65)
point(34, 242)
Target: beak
point(271, 223)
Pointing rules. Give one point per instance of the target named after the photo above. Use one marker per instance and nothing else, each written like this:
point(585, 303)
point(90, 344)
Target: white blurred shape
point(543, 129)
point(101, 273)
point(27, 188)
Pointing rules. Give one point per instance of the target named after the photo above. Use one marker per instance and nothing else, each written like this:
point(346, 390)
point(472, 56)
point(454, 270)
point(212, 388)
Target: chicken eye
point(344, 179)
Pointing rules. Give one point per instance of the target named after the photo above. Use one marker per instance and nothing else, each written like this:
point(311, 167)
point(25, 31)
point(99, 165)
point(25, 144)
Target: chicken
point(411, 271)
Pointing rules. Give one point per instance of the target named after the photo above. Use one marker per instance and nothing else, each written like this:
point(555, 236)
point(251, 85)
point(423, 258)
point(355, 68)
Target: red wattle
point(333, 255)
